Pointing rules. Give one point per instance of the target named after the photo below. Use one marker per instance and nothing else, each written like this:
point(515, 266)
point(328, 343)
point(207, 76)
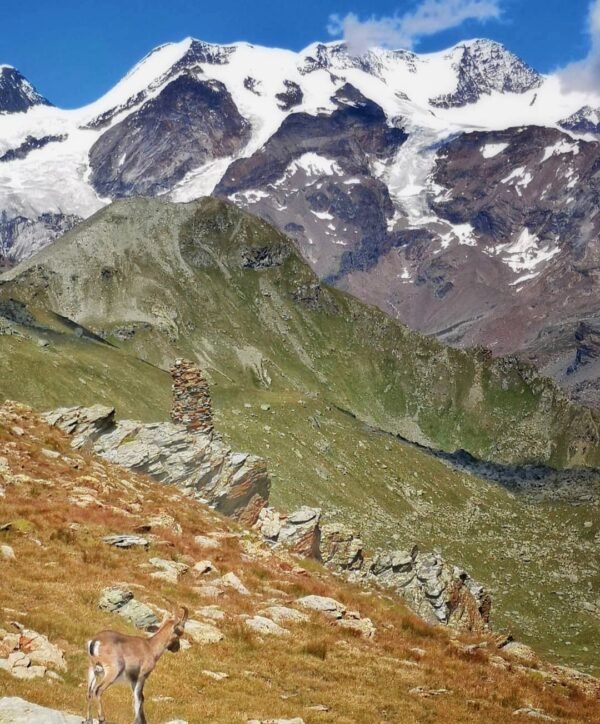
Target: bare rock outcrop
point(299, 532)
point(188, 453)
point(18, 711)
point(338, 613)
point(235, 484)
point(27, 654)
point(437, 591)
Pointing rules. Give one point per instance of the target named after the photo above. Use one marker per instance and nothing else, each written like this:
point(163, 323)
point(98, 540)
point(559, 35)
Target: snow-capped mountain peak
point(16, 92)
point(585, 120)
point(424, 183)
point(482, 67)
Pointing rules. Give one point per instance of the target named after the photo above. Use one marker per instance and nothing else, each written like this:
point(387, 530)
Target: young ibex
point(119, 657)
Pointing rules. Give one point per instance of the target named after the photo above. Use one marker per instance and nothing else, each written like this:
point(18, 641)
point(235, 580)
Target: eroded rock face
point(235, 484)
point(189, 123)
point(435, 590)
point(299, 531)
point(320, 168)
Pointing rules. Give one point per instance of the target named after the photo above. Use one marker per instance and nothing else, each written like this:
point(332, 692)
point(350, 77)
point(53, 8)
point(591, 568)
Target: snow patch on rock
point(493, 149)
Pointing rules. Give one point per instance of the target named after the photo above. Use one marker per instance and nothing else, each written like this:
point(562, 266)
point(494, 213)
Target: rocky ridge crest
point(237, 485)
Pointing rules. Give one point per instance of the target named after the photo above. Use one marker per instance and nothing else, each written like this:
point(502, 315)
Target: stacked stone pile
point(191, 406)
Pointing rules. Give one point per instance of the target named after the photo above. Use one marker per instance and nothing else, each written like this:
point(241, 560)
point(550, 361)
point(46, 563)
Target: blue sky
point(74, 50)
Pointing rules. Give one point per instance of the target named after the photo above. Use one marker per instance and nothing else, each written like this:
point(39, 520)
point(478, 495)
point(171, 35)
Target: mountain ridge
point(381, 223)
point(97, 317)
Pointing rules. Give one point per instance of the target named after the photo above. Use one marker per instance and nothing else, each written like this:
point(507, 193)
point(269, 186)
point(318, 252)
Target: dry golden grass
point(61, 566)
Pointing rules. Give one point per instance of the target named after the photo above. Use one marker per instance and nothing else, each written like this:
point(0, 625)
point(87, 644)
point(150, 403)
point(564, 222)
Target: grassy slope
point(175, 271)
point(397, 495)
point(49, 366)
point(57, 548)
point(245, 325)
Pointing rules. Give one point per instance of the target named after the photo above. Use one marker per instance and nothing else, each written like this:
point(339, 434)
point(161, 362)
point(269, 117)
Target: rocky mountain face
point(483, 68)
point(189, 123)
point(318, 168)
point(17, 95)
point(438, 187)
point(585, 120)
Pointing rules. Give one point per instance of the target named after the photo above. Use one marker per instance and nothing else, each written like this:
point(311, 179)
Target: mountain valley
point(294, 381)
point(330, 321)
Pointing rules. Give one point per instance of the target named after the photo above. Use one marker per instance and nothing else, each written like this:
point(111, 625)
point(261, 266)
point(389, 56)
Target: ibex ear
point(184, 618)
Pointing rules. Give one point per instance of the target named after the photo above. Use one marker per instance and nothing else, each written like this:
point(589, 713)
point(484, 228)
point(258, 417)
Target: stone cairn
point(191, 404)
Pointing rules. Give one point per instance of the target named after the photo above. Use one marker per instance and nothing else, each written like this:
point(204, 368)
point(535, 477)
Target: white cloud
point(404, 31)
point(585, 74)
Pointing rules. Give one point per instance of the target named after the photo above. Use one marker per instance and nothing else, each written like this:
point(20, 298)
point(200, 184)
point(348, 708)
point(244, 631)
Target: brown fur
point(119, 657)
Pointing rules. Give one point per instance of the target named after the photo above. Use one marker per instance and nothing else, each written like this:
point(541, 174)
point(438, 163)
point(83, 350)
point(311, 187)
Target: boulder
point(7, 553)
point(126, 540)
point(283, 614)
point(533, 713)
point(230, 580)
point(519, 651)
point(212, 612)
point(264, 625)
point(341, 547)
point(9, 642)
point(121, 601)
point(164, 520)
point(14, 710)
point(269, 524)
point(363, 626)
point(209, 591)
point(205, 541)
point(169, 571)
point(216, 675)
point(299, 532)
point(203, 633)
point(323, 604)
point(203, 567)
